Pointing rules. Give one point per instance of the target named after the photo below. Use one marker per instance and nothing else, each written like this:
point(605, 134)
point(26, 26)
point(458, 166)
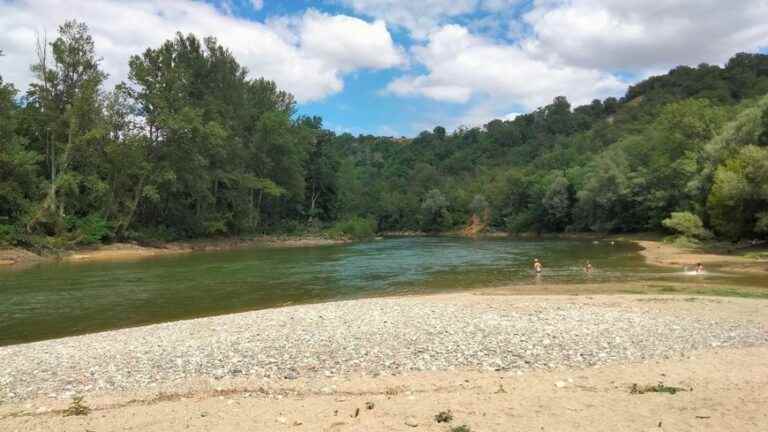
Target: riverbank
point(668, 255)
point(133, 251)
point(477, 354)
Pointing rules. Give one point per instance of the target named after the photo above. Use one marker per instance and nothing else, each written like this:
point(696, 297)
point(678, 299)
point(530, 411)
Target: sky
point(397, 67)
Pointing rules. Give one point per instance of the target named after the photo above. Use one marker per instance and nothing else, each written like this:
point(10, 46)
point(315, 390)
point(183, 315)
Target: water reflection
point(61, 299)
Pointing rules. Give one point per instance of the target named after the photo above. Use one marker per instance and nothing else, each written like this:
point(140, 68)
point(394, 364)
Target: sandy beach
point(492, 359)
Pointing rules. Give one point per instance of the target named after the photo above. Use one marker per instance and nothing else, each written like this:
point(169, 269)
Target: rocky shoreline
point(373, 337)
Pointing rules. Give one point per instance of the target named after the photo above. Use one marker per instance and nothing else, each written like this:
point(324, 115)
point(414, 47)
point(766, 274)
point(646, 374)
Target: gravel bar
point(373, 336)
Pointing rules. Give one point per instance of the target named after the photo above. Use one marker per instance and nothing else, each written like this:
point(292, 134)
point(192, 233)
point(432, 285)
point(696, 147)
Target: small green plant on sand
point(444, 417)
point(462, 428)
point(77, 407)
point(658, 388)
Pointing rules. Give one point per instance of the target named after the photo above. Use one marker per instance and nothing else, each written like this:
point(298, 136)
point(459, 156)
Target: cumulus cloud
point(302, 62)
point(463, 67)
point(638, 34)
point(423, 16)
point(347, 42)
point(576, 48)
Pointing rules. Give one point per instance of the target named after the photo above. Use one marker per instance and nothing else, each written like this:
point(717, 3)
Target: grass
point(462, 428)
point(732, 292)
point(756, 255)
point(444, 417)
point(658, 388)
point(77, 407)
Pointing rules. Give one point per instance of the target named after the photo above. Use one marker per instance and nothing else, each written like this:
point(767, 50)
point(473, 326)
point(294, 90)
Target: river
point(61, 299)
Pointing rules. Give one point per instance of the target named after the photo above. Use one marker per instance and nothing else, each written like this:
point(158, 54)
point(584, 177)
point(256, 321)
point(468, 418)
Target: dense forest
point(191, 146)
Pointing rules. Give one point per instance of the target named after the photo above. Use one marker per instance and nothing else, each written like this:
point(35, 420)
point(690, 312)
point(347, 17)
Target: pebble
point(388, 336)
point(410, 421)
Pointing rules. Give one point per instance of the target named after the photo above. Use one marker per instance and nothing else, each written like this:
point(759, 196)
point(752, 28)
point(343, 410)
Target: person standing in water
point(537, 267)
point(588, 267)
point(699, 268)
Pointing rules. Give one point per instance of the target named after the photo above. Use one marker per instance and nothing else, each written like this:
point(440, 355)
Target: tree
point(557, 204)
point(435, 214)
point(68, 99)
point(19, 181)
point(687, 224)
point(479, 205)
point(739, 197)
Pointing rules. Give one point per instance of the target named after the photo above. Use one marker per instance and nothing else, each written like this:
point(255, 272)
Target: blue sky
point(396, 67)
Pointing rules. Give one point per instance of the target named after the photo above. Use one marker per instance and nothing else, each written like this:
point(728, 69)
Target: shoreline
point(655, 252)
point(667, 255)
point(133, 251)
point(325, 355)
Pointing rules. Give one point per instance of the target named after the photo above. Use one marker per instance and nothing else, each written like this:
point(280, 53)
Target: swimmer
point(537, 267)
point(588, 267)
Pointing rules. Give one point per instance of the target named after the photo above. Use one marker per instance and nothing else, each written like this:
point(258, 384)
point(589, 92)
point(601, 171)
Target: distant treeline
point(191, 146)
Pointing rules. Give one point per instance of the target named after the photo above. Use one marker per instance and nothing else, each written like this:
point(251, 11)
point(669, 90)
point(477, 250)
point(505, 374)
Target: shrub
point(687, 224)
point(89, 230)
point(683, 242)
point(9, 234)
point(444, 417)
point(77, 407)
point(356, 228)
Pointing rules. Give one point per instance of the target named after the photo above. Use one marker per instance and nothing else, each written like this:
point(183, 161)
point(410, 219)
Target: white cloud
point(423, 16)
point(304, 63)
point(348, 42)
point(495, 78)
point(639, 34)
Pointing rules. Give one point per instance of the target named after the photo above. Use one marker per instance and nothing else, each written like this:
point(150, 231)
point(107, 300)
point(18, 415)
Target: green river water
point(61, 299)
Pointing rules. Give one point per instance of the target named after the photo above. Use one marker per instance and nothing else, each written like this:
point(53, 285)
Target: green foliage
point(739, 197)
point(478, 205)
point(191, 146)
point(9, 235)
point(77, 407)
point(92, 229)
point(687, 224)
point(436, 215)
point(355, 228)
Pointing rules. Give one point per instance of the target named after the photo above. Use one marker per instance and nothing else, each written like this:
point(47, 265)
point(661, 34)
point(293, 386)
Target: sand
point(727, 389)
point(667, 255)
point(727, 393)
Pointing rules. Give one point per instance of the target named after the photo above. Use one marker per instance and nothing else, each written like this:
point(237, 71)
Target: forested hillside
point(192, 146)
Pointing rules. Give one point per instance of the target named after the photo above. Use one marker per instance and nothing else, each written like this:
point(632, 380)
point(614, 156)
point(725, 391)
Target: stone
point(411, 421)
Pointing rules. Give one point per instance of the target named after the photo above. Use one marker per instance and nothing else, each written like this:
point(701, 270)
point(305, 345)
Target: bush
point(356, 228)
point(683, 242)
point(89, 230)
point(687, 225)
point(9, 235)
point(444, 417)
